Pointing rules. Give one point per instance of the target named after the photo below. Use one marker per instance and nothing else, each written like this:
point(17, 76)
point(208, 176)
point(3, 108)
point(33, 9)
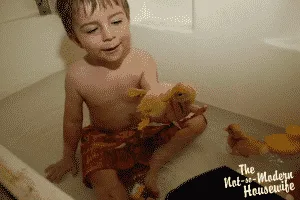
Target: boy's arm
point(73, 117)
point(150, 76)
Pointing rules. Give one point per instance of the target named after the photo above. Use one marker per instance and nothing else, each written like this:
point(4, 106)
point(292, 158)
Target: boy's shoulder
point(144, 57)
point(141, 53)
point(75, 69)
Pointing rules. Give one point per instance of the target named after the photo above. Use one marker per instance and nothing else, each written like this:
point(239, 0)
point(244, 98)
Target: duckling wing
point(152, 107)
point(134, 92)
point(145, 122)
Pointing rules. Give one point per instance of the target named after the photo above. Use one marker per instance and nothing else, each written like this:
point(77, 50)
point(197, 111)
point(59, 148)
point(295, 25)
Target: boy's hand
point(174, 114)
point(58, 170)
point(176, 111)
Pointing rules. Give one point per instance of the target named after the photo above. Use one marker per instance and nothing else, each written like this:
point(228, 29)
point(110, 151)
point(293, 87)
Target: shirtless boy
point(101, 80)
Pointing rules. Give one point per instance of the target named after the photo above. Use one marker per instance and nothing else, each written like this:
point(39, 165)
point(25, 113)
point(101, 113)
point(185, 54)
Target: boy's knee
point(197, 125)
point(107, 184)
point(105, 179)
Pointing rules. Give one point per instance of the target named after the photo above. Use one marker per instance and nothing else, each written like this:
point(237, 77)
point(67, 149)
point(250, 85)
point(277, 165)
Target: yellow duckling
point(155, 106)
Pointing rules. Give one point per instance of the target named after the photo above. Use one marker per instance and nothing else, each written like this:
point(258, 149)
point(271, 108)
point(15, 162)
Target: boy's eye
point(117, 22)
point(93, 30)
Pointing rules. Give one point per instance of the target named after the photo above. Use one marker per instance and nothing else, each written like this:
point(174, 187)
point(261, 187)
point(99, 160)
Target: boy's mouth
point(111, 49)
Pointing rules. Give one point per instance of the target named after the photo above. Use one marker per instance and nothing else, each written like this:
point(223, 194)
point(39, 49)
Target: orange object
point(287, 143)
point(137, 191)
point(282, 144)
point(293, 131)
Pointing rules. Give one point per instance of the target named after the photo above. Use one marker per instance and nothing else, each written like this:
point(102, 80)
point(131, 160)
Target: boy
point(101, 80)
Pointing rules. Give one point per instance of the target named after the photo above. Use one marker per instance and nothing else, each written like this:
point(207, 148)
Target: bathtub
point(32, 105)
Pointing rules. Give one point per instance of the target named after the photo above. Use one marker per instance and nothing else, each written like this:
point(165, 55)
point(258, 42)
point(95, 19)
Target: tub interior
point(32, 98)
point(36, 134)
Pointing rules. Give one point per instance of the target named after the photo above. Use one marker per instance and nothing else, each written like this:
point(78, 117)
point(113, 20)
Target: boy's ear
point(76, 41)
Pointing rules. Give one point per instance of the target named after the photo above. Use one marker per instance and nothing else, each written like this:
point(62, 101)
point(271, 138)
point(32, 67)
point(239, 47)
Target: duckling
point(156, 106)
point(243, 144)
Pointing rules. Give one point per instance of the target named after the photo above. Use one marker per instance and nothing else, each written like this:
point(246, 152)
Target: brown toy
point(155, 106)
point(243, 144)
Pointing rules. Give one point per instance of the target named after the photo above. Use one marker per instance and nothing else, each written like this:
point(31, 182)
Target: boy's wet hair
point(66, 9)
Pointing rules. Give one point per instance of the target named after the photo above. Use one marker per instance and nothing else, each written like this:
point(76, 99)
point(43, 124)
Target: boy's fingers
point(202, 109)
point(170, 113)
point(49, 168)
point(50, 172)
point(56, 179)
point(186, 108)
point(55, 174)
point(59, 176)
point(51, 176)
point(60, 173)
point(181, 109)
point(178, 110)
point(197, 109)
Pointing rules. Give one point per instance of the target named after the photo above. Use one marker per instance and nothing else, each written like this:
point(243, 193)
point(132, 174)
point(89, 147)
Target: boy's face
point(105, 34)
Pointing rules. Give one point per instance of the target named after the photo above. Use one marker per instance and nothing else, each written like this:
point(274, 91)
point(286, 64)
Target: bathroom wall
point(227, 56)
point(16, 9)
point(176, 15)
point(239, 71)
point(31, 50)
point(32, 46)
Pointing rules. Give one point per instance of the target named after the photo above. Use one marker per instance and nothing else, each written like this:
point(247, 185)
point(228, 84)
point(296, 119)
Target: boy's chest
point(110, 87)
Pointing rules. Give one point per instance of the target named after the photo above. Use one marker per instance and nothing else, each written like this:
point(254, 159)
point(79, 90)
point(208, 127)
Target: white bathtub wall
point(32, 49)
point(247, 19)
point(227, 58)
point(16, 9)
point(250, 77)
point(167, 14)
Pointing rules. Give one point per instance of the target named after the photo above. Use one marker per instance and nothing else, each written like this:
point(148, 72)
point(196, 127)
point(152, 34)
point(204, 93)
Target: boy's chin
point(115, 57)
point(111, 59)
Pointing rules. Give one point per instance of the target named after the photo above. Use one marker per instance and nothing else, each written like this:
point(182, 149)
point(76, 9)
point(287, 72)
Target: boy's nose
point(106, 34)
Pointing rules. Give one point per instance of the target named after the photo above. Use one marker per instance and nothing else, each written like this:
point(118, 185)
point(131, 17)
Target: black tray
point(211, 185)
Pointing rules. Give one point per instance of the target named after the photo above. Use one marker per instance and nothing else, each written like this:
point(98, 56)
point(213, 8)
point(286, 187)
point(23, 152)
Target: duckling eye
point(179, 94)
